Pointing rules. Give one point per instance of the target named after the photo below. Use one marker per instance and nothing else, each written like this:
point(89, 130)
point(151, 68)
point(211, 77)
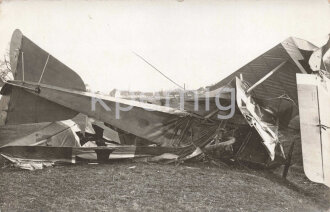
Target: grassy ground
point(127, 186)
point(120, 187)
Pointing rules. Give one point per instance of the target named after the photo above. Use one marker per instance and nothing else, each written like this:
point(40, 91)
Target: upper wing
point(294, 52)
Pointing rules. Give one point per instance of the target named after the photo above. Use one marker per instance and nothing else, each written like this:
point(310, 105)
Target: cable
point(158, 70)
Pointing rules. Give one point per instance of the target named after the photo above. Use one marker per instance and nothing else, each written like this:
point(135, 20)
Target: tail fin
point(31, 64)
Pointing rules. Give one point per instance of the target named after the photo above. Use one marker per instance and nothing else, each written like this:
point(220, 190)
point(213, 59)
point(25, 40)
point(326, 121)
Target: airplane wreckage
point(39, 109)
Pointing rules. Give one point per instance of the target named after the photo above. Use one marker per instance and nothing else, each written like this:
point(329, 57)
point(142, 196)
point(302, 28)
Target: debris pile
point(237, 119)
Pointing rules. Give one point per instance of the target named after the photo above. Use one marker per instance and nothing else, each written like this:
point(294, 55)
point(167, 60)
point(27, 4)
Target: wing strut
point(265, 77)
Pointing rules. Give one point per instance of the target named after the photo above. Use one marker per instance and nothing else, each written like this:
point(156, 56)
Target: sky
point(196, 43)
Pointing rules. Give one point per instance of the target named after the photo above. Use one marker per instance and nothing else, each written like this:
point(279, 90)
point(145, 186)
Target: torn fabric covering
point(108, 133)
point(84, 123)
point(10, 133)
point(90, 149)
point(184, 145)
point(28, 164)
point(249, 109)
point(60, 134)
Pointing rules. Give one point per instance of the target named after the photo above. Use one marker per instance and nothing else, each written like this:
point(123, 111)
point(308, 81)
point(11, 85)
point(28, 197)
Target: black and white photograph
point(169, 105)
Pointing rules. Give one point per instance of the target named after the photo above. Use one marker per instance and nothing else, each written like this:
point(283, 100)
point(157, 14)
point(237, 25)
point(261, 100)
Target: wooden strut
point(43, 70)
point(22, 85)
point(288, 161)
point(265, 77)
point(23, 65)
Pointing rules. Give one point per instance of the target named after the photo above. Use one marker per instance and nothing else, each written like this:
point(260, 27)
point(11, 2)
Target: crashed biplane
point(255, 102)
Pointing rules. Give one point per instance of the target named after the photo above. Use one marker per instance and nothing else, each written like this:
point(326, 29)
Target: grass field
point(128, 186)
point(120, 186)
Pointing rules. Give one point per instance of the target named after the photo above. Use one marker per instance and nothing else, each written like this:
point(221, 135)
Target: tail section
point(31, 64)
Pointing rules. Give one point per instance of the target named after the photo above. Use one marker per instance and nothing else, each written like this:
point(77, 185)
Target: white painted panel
point(310, 131)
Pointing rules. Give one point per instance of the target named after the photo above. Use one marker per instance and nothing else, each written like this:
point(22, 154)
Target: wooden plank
point(310, 132)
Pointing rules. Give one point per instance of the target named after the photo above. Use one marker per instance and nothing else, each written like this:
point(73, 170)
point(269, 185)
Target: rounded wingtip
point(15, 45)
point(17, 36)
point(17, 31)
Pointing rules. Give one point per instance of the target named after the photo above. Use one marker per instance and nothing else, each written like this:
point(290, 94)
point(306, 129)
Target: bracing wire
point(158, 70)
